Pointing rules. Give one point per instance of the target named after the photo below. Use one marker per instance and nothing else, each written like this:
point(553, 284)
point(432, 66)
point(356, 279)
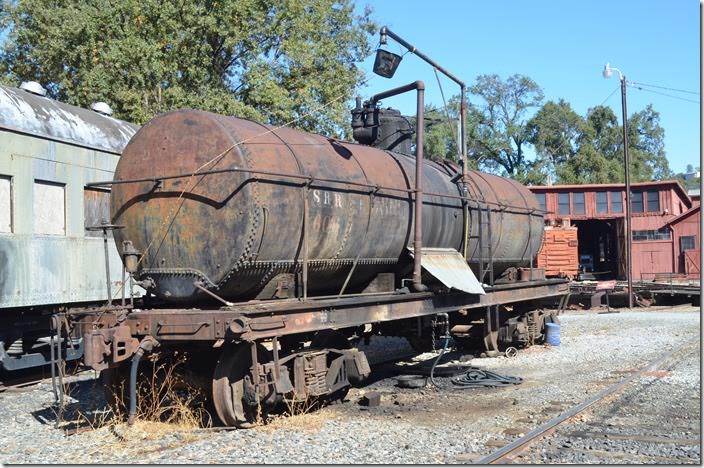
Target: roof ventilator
point(101, 108)
point(33, 87)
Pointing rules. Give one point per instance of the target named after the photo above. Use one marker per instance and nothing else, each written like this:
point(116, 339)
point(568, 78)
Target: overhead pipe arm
point(384, 32)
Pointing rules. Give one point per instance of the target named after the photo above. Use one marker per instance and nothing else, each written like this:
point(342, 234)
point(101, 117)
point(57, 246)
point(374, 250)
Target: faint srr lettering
point(382, 205)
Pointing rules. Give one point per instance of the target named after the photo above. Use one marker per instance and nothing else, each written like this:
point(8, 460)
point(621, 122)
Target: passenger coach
point(49, 259)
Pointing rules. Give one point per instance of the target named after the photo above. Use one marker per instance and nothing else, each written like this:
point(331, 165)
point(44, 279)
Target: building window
point(687, 243)
point(653, 201)
point(541, 201)
point(563, 203)
point(49, 208)
point(637, 202)
point(5, 203)
point(602, 205)
point(651, 235)
point(616, 202)
point(578, 203)
point(96, 210)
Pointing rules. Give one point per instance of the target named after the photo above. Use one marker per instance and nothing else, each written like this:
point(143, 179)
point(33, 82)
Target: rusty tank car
point(268, 252)
point(242, 229)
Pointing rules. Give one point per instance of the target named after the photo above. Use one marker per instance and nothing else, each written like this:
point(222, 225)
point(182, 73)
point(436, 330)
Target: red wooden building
point(665, 225)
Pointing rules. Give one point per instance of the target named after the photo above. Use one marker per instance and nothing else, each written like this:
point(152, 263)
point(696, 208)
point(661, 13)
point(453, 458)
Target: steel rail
point(500, 455)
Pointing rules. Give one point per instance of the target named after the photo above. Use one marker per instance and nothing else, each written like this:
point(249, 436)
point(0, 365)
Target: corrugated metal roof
point(24, 112)
point(450, 268)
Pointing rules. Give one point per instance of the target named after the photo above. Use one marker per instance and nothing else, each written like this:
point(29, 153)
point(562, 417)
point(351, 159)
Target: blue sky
point(563, 46)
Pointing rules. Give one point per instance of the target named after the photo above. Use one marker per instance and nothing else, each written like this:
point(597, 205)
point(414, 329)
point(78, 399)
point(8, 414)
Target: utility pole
point(608, 70)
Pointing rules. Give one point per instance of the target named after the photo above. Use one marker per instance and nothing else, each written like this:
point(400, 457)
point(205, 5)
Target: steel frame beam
point(252, 321)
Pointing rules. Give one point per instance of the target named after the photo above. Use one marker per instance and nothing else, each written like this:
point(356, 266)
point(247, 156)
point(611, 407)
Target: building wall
point(687, 226)
point(650, 258)
point(655, 255)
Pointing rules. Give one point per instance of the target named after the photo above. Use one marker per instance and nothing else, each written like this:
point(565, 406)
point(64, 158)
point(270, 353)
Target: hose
point(473, 377)
point(478, 378)
point(444, 347)
point(435, 363)
point(147, 344)
point(133, 385)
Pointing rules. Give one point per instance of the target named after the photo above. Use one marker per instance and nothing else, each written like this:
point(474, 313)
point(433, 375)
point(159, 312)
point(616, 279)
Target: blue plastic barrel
point(552, 334)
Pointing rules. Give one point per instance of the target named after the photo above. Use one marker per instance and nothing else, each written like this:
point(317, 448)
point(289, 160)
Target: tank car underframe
point(262, 320)
point(115, 335)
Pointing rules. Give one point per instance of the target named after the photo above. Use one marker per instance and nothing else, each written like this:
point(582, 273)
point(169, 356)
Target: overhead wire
point(609, 96)
point(661, 93)
point(664, 87)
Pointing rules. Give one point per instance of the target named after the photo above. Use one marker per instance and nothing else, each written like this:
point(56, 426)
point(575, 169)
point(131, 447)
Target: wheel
point(229, 384)
point(331, 339)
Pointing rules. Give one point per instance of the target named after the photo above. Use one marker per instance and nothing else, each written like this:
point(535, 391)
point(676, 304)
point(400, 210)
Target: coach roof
point(24, 112)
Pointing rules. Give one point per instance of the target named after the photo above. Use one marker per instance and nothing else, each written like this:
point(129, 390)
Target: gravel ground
point(655, 420)
point(412, 426)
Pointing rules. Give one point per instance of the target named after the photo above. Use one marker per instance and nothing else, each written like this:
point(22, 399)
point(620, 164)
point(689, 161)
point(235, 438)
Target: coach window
point(602, 205)
point(49, 208)
point(563, 203)
point(541, 201)
point(96, 210)
point(616, 202)
point(5, 203)
point(578, 203)
point(653, 201)
point(637, 202)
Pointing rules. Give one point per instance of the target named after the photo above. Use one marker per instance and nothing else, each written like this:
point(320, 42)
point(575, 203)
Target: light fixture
point(607, 71)
point(386, 63)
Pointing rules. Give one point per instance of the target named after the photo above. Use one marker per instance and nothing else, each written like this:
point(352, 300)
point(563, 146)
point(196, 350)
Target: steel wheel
point(228, 384)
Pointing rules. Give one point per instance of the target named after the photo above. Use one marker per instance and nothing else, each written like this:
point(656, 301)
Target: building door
point(621, 247)
point(651, 263)
point(689, 256)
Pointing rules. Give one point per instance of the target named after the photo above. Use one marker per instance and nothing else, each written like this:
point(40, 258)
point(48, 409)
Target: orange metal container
point(558, 255)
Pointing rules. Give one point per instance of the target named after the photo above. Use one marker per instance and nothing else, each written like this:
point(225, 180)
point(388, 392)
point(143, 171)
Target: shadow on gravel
point(421, 367)
point(84, 408)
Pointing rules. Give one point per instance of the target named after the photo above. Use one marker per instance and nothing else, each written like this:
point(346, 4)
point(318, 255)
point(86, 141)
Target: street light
point(607, 73)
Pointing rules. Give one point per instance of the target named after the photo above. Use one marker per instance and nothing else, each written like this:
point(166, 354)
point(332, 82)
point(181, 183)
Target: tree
point(441, 139)
point(497, 130)
point(646, 143)
point(590, 150)
point(555, 132)
point(273, 61)
point(687, 178)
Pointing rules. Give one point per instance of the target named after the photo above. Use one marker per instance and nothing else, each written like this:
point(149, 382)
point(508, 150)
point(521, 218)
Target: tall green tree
point(497, 131)
point(555, 132)
point(590, 149)
point(271, 60)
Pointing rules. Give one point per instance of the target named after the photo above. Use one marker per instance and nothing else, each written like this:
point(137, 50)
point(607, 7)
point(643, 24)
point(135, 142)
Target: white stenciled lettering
point(316, 197)
point(338, 200)
point(326, 198)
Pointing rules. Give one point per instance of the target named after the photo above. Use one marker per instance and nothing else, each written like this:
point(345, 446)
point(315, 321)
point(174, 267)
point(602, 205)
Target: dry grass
point(166, 405)
point(302, 414)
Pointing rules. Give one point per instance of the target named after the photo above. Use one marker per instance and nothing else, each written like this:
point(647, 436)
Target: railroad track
point(509, 452)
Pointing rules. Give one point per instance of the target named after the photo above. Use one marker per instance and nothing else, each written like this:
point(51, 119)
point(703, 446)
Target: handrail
point(308, 180)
